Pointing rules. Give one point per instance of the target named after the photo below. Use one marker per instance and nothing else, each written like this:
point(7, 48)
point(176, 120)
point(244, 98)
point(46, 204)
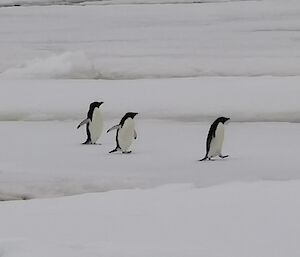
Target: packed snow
point(179, 65)
point(49, 161)
point(256, 219)
point(172, 125)
point(244, 99)
point(240, 38)
point(167, 108)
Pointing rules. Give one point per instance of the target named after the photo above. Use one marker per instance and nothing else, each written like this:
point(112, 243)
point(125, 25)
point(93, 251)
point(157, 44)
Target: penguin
point(94, 123)
point(215, 138)
point(125, 132)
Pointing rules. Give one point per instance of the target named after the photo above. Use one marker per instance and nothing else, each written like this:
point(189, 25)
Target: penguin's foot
point(112, 151)
point(223, 156)
point(127, 152)
point(206, 158)
point(86, 143)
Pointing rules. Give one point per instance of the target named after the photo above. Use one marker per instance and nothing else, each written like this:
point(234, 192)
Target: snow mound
point(78, 65)
point(75, 65)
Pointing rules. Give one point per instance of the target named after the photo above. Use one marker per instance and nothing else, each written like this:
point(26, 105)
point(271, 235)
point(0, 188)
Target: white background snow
point(240, 38)
point(180, 65)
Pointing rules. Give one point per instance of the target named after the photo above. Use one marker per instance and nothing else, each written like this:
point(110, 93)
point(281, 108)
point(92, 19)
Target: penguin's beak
point(227, 119)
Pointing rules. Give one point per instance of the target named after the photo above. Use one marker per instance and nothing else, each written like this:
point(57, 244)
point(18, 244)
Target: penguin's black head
point(223, 119)
point(131, 114)
point(94, 105)
point(126, 116)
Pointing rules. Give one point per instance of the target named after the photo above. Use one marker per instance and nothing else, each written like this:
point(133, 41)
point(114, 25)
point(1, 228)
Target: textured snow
point(190, 63)
point(240, 38)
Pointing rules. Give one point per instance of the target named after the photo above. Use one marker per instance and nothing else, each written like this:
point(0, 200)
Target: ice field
point(180, 65)
point(239, 38)
point(159, 200)
point(42, 156)
point(253, 219)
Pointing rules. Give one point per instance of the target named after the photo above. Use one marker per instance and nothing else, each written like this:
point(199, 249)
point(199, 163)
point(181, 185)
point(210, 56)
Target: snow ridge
point(79, 65)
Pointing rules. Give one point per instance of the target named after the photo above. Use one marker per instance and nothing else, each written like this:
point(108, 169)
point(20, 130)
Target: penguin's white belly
point(217, 142)
point(96, 126)
point(126, 134)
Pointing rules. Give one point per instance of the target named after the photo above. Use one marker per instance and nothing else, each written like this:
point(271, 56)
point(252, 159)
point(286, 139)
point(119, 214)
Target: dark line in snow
point(105, 3)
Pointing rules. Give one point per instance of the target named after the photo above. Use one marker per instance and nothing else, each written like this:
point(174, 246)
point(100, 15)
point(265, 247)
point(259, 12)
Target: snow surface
point(243, 38)
point(191, 63)
point(15, 3)
point(192, 99)
point(257, 219)
point(45, 159)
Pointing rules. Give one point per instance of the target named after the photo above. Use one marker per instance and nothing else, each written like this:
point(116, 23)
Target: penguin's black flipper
point(85, 121)
point(112, 128)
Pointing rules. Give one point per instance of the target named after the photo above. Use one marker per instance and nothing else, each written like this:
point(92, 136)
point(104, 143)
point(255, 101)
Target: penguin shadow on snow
point(214, 140)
